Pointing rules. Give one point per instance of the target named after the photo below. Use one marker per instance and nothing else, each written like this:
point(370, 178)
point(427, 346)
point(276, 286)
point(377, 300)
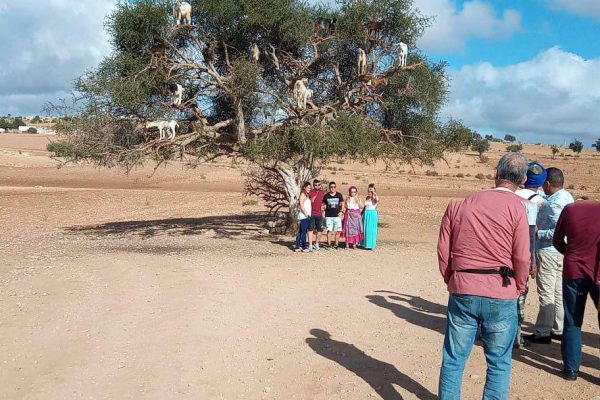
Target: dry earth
point(169, 287)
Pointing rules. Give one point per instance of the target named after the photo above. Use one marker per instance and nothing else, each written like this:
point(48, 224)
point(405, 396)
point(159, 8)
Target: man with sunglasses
point(316, 220)
point(334, 209)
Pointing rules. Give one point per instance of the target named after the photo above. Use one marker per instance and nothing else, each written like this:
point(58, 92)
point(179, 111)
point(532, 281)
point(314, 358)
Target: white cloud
point(555, 95)
point(453, 26)
point(45, 47)
point(586, 8)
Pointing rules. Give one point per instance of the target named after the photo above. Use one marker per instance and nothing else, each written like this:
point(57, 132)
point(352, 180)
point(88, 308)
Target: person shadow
point(381, 376)
point(429, 315)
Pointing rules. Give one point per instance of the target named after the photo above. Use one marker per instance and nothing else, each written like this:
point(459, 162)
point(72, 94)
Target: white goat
point(301, 94)
point(402, 53)
point(254, 53)
point(162, 125)
point(182, 12)
point(362, 62)
point(176, 92)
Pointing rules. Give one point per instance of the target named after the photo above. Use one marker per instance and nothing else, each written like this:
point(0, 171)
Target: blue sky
point(526, 67)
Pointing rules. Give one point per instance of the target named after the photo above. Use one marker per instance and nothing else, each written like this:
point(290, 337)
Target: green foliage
point(36, 119)
point(480, 146)
point(515, 148)
point(597, 145)
point(510, 138)
point(576, 146)
point(32, 130)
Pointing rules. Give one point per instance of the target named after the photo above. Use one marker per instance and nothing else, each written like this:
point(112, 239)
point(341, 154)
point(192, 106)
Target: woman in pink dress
point(352, 226)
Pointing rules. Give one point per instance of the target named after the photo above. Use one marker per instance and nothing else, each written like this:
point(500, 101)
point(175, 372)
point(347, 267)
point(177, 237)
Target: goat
point(176, 92)
point(162, 125)
point(182, 12)
point(271, 54)
point(326, 25)
point(301, 93)
point(362, 62)
point(158, 54)
point(376, 82)
point(373, 29)
point(209, 53)
point(254, 53)
point(402, 53)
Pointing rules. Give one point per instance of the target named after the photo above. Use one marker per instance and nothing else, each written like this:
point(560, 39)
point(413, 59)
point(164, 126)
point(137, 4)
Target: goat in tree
point(158, 54)
point(325, 25)
point(176, 93)
point(373, 29)
point(254, 53)
point(301, 93)
point(182, 12)
point(362, 62)
point(162, 125)
point(402, 53)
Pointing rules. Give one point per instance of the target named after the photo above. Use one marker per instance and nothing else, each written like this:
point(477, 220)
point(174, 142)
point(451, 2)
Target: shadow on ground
point(424, 313)
point(381, 376)
point(249, 226)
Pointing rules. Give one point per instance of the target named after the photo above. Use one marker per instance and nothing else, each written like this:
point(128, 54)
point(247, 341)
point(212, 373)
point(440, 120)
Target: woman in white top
point(370, 219)
point(304, 212)
point(352, 226)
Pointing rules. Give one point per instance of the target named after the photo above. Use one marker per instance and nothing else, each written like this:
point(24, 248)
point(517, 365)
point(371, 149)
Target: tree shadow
point(380, 375)
point(422, 312)
point(250, 226)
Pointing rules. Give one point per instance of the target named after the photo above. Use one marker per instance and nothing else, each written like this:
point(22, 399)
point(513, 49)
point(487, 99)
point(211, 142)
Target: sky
point(530, 68)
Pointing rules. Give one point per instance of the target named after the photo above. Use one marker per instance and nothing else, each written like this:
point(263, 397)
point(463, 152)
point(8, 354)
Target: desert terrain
point(116, 286)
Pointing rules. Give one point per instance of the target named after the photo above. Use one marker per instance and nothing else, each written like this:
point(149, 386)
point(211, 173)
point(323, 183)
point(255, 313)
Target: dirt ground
point(169, 287)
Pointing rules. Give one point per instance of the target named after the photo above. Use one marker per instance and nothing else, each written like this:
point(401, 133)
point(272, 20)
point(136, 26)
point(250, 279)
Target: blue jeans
point(303, 226)
point(575, 292)
point(498, 322)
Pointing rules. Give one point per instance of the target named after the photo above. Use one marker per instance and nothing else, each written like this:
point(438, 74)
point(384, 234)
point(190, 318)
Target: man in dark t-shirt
point(316, 219)
point(333, 203)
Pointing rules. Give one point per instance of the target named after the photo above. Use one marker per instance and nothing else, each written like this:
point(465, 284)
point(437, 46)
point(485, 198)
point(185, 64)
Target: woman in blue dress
point(370, 219)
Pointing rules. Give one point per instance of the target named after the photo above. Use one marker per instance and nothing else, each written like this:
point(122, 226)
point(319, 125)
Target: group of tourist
point(351, 218)
point(490, 244)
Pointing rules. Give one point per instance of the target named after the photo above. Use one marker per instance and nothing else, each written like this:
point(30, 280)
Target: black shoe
point(556, 337)
point(570, 375)
point(538, 339)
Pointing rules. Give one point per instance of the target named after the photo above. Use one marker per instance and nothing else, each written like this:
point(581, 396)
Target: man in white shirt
point(536, 176)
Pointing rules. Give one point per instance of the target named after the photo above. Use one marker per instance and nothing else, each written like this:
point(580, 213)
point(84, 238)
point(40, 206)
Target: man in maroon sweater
point(577, 236)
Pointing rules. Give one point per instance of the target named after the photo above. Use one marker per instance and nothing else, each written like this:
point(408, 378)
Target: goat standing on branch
point(182, 12)
point(325, 25)
point(301, 93)
point(176, 93)
point(162, 125)
point(254, 53)
point(362, 62)
point(402, 53)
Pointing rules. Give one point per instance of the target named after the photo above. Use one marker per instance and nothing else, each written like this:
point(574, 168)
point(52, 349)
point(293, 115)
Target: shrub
point(480, 146)
point(249, 203)
point(32, 130)
point(468, 175)
point(515, 148)
point(571, 187)
point(576, 146)
point(510, 138)
point(431, 173)
point(460, 175)
point(490, 177)
point(480, 176)
point(484, 159)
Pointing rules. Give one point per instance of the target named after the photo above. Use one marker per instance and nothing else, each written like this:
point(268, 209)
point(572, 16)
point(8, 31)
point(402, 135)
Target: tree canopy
point(240, 63)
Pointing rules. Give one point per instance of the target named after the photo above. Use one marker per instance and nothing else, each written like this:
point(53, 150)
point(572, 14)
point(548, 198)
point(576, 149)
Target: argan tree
point(576, 146)
point(597, 145)
point(240, 65)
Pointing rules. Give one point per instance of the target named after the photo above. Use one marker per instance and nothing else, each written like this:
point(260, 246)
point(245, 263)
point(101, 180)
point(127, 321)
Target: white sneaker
point(316, 246)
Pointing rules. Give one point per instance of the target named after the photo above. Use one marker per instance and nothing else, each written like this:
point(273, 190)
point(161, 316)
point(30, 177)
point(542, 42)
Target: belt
point(503, 271)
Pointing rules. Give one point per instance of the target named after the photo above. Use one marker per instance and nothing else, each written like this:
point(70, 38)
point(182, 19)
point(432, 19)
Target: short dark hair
point(332, 183)
point(371, 185)
point(555, 177)
point(315, 181)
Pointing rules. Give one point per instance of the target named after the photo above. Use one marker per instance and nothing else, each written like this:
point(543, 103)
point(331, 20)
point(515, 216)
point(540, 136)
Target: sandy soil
point(169, 287)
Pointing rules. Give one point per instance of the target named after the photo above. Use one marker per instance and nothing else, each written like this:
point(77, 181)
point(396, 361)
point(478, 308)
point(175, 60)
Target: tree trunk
point(239, 121)
point(293, 179)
